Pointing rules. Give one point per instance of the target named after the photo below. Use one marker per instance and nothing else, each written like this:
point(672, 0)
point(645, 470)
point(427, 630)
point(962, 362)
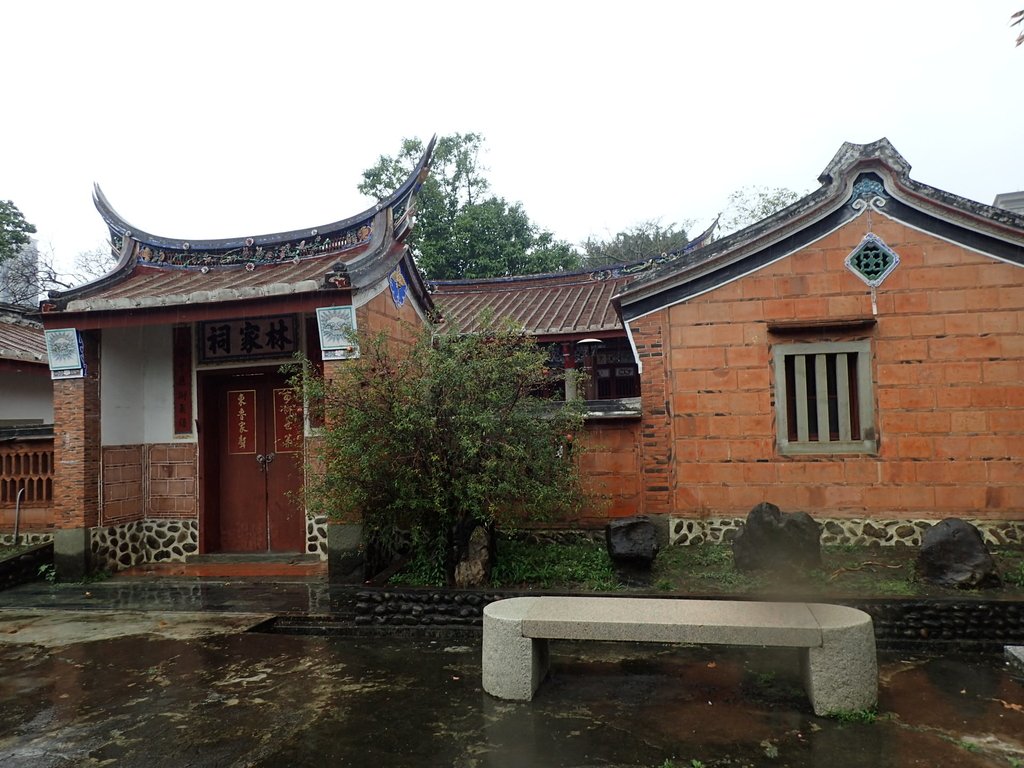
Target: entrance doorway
point(251, 439)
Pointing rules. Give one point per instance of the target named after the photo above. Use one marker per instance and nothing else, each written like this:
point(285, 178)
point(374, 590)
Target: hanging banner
point(181, 378)
point(287, 421)
point(241, 410)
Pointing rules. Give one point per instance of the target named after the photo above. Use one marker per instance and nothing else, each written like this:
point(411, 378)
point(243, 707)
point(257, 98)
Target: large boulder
point(953, 554)
point(773, 540)
point(632, 541)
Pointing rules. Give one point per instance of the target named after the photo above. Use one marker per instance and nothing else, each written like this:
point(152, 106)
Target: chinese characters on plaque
point(248, 339)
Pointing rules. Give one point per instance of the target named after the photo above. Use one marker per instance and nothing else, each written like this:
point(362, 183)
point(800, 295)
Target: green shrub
point(426, 441)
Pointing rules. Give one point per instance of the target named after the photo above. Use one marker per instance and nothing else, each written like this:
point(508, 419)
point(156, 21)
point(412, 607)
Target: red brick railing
point(26, 465)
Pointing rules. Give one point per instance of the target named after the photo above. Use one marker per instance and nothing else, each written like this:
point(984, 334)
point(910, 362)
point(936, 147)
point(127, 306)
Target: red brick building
point(858, 355)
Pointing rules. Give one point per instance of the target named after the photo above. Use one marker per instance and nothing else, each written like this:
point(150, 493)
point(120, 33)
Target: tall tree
point(751, 204)
point(640, 241)
point(14, 230)
point(462, 231)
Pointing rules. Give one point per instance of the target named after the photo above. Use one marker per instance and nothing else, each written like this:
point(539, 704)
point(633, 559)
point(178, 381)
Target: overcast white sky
point(217, 119)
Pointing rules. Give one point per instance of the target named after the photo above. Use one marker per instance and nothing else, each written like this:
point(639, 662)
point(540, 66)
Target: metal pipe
point(17, 514)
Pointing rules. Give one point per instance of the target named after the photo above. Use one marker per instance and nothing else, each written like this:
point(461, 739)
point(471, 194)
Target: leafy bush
point(426, 441)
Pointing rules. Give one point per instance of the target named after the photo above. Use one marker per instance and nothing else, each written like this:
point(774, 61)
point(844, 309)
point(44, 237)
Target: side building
point(858, 355)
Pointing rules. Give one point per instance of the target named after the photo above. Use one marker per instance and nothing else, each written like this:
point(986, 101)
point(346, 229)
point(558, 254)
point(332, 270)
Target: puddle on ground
point(273, 700)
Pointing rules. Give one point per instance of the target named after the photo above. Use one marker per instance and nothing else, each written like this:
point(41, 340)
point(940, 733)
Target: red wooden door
point(259, 464)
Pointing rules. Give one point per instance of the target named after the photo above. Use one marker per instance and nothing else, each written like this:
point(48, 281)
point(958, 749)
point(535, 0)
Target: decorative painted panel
point(337, 324)
point(64, 350)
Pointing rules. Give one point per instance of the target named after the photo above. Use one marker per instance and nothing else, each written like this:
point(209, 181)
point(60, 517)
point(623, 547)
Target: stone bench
point(837, 644)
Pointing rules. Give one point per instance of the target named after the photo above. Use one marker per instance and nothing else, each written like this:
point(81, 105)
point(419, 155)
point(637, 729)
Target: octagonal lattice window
point(872, 261)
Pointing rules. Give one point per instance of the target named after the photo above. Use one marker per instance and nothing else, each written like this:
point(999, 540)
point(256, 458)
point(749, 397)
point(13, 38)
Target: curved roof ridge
point(119, 227)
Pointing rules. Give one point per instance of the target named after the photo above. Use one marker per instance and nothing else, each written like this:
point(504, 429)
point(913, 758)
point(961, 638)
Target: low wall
point(911, 623)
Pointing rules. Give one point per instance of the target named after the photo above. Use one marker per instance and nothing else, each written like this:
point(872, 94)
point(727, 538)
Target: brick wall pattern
point(948, 367)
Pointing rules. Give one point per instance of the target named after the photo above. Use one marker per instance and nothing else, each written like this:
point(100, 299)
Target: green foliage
point(751, 204)
point(585, 566)
point(48, 571)
point(461, 230)
point(14, 230)
point(641, 241)
point(430, 439)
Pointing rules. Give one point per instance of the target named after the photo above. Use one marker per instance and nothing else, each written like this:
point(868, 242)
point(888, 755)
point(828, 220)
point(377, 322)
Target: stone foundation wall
point(715, 530)
point(943, 624)
point(143, 541)
point(316, 535)
point(7, 539)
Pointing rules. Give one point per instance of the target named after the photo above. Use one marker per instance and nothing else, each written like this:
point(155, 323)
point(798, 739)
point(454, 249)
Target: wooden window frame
point(847, 410)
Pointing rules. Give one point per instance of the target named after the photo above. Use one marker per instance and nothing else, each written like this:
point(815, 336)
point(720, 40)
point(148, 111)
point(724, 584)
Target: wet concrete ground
point(194, 696)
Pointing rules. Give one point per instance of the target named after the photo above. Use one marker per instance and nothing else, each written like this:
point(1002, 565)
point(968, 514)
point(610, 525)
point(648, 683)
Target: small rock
point(632, 541)
point(953, 554)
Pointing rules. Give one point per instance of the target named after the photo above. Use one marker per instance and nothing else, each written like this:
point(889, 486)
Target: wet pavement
point(184, 685)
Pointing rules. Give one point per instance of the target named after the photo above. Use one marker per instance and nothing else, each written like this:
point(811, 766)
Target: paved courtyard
point(83, 686)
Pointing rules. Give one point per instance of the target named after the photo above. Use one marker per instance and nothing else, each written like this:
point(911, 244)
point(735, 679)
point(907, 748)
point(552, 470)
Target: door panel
point(260, 464)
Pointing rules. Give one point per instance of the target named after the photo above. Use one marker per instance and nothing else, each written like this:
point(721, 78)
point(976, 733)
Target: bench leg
point(842, 675)
point(513, 665)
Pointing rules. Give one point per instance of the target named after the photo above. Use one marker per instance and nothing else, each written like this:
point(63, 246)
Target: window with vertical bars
point(823, 398)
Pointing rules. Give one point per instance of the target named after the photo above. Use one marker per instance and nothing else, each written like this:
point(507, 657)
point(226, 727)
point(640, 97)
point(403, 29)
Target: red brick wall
point(172, 481)
point(76, 444)
point(149, 481)
point(123, 484)
point(948, 367)
point(658, 470)
point(380, 314)
point(610, 466)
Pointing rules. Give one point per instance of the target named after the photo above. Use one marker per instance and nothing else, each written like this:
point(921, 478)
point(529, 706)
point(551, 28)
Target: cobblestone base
point(316, 535)
point(7, 539)
point(143, 541)
point(844, 531)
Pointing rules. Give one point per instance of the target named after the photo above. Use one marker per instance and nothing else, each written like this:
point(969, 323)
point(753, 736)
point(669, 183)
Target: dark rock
point(953, 554)
point(777, 541)
point(632, 541)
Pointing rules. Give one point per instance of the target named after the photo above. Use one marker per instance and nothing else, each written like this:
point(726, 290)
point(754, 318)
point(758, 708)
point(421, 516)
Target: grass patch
point(860, 716)
point(583, 566)
point(9, 550)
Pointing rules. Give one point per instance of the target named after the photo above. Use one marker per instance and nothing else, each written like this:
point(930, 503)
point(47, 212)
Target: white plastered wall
point(26, 398)
point(136, 393)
